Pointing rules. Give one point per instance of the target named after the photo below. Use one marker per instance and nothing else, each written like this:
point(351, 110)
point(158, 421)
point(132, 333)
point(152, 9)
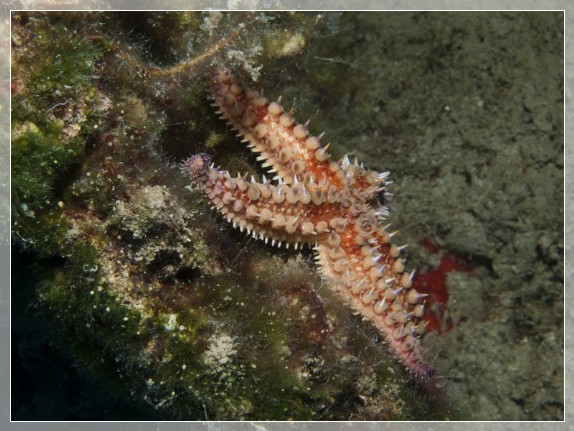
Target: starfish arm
point(374, 283)
point(293, 214)
point(285, 147)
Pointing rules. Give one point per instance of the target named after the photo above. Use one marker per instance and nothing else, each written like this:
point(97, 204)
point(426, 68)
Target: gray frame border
point(342, 5)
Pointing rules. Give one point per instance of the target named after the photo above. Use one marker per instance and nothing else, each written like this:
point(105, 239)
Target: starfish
point(334, 206)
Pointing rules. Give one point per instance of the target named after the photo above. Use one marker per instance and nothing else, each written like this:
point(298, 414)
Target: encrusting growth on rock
point(333, 206)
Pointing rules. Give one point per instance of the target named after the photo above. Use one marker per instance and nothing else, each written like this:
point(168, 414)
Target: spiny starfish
point(334, 206)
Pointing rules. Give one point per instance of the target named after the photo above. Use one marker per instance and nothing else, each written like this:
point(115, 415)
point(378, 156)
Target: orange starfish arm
point(374, 283)
point(285, 146)
point(294, 214)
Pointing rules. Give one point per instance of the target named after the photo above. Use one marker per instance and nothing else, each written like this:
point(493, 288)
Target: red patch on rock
point(433, 283)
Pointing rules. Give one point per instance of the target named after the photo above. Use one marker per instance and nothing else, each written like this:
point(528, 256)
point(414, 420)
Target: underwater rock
point(149, 287)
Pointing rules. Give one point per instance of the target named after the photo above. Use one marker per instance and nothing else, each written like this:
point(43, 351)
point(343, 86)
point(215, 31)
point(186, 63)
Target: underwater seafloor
point(132, 300)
